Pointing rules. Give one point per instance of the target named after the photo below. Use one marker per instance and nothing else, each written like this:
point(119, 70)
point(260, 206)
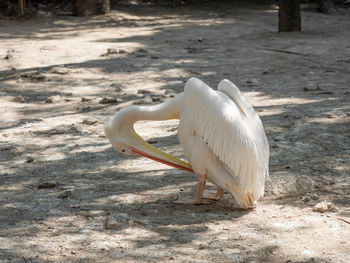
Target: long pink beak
point(158, 159)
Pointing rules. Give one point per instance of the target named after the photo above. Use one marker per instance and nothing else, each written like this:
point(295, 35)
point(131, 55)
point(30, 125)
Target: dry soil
point(67, 196)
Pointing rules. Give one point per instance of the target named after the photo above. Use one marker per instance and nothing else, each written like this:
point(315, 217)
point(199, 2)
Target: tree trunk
point(91, 7)
point(327, 7)
point(289, 15)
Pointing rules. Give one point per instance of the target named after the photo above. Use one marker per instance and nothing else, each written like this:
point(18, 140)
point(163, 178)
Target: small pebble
point(90, 122)
point(108, 100)
point(305, 199)
point(60, 70)
point(252, 82)
point(53, 99)
point(19, 99)
point(314, 196)
point(143, 91)
point(324, 207)
point(141, 50)
point(155, 98)
point(330, 116)
point(110, 51)
point(65, 195)
point(47, 185)
point(201, 247)
point(30, 159)
point(112, 224)
point(83, 99)
point(311, 87)
point(116, 86)
point(172, 129)
point(8, 56)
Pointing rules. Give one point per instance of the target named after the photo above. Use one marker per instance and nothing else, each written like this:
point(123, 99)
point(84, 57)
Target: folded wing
point(233, 131)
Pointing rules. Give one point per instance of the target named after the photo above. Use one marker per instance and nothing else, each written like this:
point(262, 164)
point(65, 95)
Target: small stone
point(83, 99)
point(53, 99)
point(112, 224)
point(19, 99)
point(305, 199)
point(330, 116)
point(117, 87)
point(47, 185)
point(143, 91)
point(201, 247)
point(324, 207)
point(172, 129)
point(8, 56)
point(73, 252)
point(252, 82)
point(314, 197)
point(156, 98)
point(65, 195)
point(311, 87)
point(90, 121)
point(141, 50)
point(59, 70)
point(268, 71)
point(108, 100)
point(30, 159)
point(110, 51)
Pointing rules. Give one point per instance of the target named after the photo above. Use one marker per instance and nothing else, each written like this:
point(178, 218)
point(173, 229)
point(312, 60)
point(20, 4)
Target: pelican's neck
point(165, 111)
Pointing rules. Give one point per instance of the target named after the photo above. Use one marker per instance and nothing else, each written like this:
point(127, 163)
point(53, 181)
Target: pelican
point(221, 134)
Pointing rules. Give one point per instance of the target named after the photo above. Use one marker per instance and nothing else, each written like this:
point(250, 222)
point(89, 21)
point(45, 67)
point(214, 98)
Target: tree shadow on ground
point(94, 178)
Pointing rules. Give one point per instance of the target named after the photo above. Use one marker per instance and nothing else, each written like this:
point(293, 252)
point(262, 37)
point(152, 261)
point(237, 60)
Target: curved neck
point(165, 111)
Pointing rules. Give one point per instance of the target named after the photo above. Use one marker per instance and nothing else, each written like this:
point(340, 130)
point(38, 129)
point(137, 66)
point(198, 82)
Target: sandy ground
point(67, 196)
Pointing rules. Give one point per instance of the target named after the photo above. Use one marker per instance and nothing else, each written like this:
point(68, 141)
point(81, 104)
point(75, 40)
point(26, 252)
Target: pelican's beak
point(142, 148)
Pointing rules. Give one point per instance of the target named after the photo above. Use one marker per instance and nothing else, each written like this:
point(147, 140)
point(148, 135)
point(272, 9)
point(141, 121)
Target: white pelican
point(222, 136)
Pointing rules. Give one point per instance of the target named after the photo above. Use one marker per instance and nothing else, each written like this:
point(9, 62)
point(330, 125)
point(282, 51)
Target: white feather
point(231, 129)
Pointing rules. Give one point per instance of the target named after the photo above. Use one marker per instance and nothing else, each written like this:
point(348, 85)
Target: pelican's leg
point(199, 194)
point(216, 196)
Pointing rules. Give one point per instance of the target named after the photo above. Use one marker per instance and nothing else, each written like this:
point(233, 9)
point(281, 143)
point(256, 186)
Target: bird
point(222, 136)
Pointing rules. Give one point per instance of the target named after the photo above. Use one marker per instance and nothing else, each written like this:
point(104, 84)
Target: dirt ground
point(67, 196)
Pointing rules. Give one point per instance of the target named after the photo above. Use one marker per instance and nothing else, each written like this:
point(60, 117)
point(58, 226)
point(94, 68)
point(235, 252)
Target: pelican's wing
point(252, 117)
point(232, 130)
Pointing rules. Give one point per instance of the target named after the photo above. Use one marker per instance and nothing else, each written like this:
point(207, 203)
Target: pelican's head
point(115, 136)
point(120, 132)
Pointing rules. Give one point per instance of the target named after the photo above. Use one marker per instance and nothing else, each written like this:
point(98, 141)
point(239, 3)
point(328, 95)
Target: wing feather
point(233, 131)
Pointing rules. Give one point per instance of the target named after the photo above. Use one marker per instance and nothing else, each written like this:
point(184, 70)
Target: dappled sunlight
point(68, 196)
